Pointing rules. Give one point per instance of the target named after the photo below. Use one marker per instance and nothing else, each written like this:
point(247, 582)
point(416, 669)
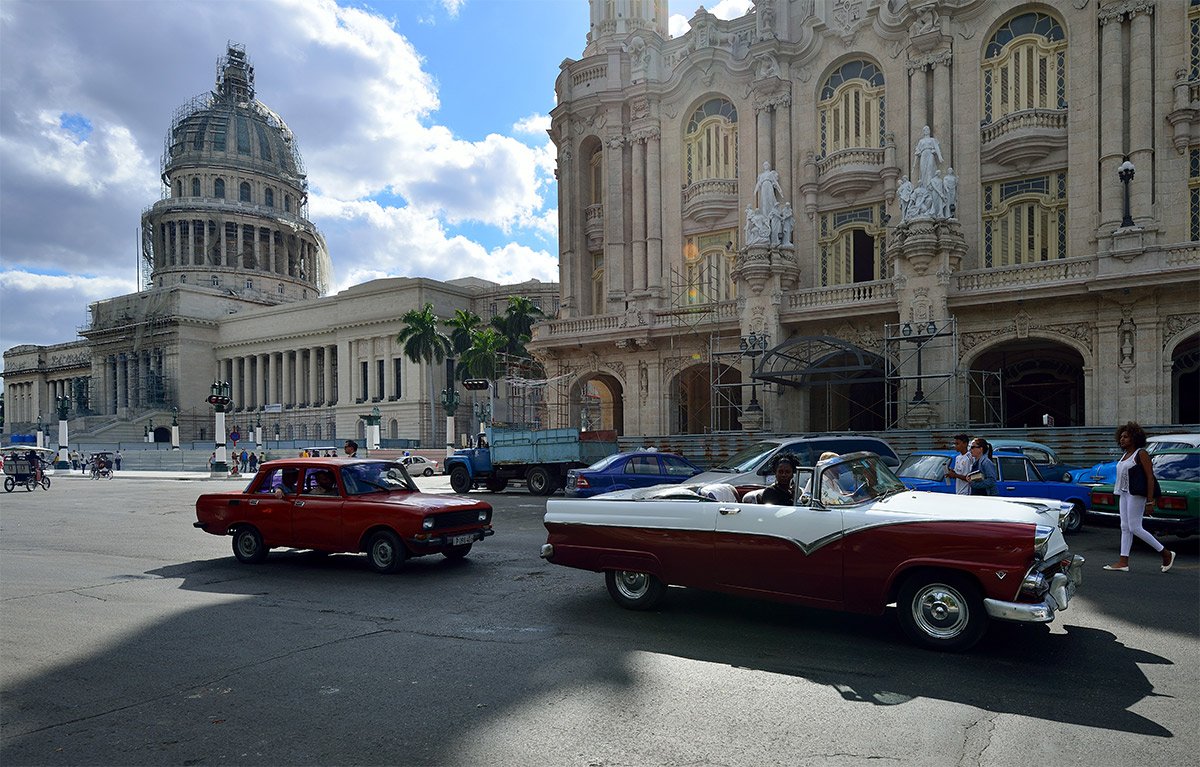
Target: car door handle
point(729, 510)
point(1009, 487)
point(253, 501)
point(299, 503)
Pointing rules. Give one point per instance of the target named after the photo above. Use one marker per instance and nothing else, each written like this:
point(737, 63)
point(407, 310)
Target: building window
point(1194, 28)
point(1025, 67)
point(710, 142)
point(1025, 220)
point(397, 367)
point(850, 112)
point(264, 146)
point(219, 128)
point(280, 289)
point(851, 245)
point(183, 279)
point(178, 188)
point(215, 281)
point(1194, 193)
point(287, 203)
point(365, 382)
point(269, 198)
point(249, 284)
point(244, 191)
point(219, 189)
point(708, 260)
point(596, 177)
point(195, 187)
point(243, 135)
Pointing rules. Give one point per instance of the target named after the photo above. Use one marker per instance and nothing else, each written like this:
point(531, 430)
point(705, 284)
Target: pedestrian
point(960, 465)
point(351, 448)
point(211, 460)
point(983, 474)
point(118, 457)
point(1136, 490)
point(253, 462)
point(245, 458)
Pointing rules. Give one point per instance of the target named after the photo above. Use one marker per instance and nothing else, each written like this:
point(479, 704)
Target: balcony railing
point(1059, 271)
point(882, 291)
point(1025, 136)
point(855, 156)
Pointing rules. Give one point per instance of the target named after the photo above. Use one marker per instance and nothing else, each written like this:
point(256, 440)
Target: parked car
point(1018, 478)
point(343, 505)
point(621, 471)
point(1177, 509)
point(1049, 465)
point(419, 464)
point(949, 564)
point(755, 464)
point(1105, 472)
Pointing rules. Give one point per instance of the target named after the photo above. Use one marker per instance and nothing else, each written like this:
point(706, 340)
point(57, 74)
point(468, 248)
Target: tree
point(481, 358)
point(423, 342)
point(462, 324)
point(517, 324)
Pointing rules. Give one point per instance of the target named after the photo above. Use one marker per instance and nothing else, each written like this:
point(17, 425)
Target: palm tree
point(481, 358)
point(462, 324)
point(423, 342)
point(517, 324)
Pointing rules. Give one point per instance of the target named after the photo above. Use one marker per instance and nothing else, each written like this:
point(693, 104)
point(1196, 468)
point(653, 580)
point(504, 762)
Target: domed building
point(236, 214)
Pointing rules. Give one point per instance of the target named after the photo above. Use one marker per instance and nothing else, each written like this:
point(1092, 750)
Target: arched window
point(178, 188)
point(710, 142)
point(852, 246)
point(219, 189)
point(596, 177)
point(851, 111)
point(244, 191)
point(195, 187)
point(215, 281)
point(1025, 220)
point(287, 203)
point(708, 260)
point(269, 198)
point(1194, 193)
point(1025, 67)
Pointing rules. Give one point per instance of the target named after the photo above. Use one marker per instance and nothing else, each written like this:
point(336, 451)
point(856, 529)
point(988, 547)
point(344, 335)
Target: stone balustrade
point(587, 74)
point(1045, 119)
point(855, 156)
point(1057, 271)
point(881, 291)
point(579, 326)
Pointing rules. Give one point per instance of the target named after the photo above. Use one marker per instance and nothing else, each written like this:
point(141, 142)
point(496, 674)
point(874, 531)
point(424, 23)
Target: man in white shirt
point(960, 465)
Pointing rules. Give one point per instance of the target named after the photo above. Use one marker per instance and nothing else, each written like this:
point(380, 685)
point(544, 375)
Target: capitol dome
point(234, 212)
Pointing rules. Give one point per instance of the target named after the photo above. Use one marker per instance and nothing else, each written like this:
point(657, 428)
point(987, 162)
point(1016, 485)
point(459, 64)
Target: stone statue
point(788, 223)
point(937, 193)
point(767, 190)
point(905, 194)
point(951, 182)
point(758, 231)
point(926, 150)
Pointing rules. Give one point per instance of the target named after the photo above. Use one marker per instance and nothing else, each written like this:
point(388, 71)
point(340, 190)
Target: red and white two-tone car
point(343, 505)
point(856, 540)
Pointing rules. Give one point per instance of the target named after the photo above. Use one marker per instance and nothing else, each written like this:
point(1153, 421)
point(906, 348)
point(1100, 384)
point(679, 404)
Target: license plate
point(459, 540)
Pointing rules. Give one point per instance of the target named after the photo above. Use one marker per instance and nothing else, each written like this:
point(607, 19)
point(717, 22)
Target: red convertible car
point(343, 504)
point(856, 539)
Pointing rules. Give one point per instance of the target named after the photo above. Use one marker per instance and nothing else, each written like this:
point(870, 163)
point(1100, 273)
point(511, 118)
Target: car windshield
point(604, 463)
point(1177, 467)
point(376, 477)
point(748, 459)
point(1158, 447)
point(924, 467)
point(857, 480)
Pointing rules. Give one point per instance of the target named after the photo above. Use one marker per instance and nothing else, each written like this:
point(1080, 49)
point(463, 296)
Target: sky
point(421, 123)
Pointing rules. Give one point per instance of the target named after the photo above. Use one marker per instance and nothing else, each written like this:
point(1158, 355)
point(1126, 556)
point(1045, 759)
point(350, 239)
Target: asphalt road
point(128, 637)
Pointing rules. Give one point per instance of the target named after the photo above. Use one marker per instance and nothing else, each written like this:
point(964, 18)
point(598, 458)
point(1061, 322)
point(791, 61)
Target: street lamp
point(924, 335)
point(753, 345)
point(220, 401)
point(1125, 172)
point(63, 405)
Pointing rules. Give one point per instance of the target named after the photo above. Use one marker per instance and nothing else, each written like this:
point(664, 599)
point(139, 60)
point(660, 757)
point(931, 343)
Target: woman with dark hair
point(780, 493)
point(1135, 489)
point(983, 474)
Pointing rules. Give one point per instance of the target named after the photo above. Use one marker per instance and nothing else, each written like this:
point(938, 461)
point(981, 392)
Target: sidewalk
point(57, 474)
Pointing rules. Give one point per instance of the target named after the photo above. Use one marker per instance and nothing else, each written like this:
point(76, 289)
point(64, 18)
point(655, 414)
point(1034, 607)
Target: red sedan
point(343, 505)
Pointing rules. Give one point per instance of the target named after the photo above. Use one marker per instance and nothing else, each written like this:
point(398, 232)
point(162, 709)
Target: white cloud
point(453, 6)
point(47, 309)
point(532, 124)
point(678, 23)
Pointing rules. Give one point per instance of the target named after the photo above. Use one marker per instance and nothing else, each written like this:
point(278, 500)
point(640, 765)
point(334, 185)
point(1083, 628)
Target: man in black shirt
point(780, 493)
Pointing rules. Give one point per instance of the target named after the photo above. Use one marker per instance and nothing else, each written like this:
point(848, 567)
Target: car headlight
point(483, 515)
point(1041, 537)
point(427, 523)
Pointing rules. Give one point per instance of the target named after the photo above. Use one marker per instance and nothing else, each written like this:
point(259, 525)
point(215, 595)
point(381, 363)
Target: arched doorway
point(706, 399)
point(1185, 381)
point(1038, 377)
point(162, 434)
point(833, 384)
point(598, 402)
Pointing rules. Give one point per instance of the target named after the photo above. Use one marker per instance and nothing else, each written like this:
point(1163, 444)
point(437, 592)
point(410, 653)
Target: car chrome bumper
point(438, 541)
point(1057, 597)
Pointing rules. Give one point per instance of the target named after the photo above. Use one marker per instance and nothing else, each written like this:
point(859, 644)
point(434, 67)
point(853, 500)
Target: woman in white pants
point(1135, 492)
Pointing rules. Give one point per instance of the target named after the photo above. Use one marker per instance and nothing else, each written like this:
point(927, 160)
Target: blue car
point(1043, 456)
point(622, 471)
point(1019, 478)
point(1105, 472)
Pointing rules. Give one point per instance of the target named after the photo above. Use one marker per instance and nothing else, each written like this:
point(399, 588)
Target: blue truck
point(539, 457)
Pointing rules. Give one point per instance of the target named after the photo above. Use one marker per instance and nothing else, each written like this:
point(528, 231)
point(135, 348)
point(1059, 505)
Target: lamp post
point(174, 428)
point(63, 406)
point(258, 430)
point(753, 345)
point(220, 401)
point(41, 432)
point(924, 334)
point(150, 430)
point(1125, 172)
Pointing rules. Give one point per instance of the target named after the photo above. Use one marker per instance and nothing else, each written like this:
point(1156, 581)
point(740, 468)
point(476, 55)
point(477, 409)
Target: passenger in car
point(323, 484)
point(287, 482)
point(780, 493)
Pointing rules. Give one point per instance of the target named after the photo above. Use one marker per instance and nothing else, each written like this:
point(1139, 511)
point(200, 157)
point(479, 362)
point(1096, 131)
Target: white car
point(418, 464)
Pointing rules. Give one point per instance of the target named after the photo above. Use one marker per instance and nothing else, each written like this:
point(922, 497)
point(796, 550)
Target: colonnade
point(297, 378)
point(25, 401)
point(133, 380)
point(236, 244)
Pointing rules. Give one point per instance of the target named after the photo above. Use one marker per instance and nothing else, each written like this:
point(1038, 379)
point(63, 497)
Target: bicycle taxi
point(20, 471)
point(100, 465)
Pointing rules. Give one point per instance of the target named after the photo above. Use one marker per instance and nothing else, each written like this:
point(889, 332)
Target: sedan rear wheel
point(941, 611)
point(1074, 521)
point(248, 545)
point(428, 471)
point(385, 551)
point(634, 590)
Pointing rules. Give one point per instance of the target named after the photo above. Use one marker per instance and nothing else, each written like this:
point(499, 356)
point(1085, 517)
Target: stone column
point(273, 385)
point(1141, 119)
point(262, 381)
point(918, 117)
point(312, 376)
point(638, 200)
point(205, 244)
point(614, 225)
point(943, 108)
point(1111, 120)
point(122, 382)
point(783, 145)
point(345, 394)
point(235, 382)
point(570, 209)
point(654, 254)
point(327, 382)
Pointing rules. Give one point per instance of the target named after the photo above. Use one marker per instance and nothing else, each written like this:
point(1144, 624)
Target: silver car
point(756, 464)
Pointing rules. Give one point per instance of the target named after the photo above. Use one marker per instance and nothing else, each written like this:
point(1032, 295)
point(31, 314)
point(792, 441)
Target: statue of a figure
point(951, 183)
point(926, 151)
point(937, 191)
point(922, 202)
point(768, 191)
point(904, 193)
point(758, 230)
point(788, 223)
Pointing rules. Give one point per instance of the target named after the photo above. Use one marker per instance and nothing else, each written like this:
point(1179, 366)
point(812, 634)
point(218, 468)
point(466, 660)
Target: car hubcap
point(632, 585)
point(383, 553)
point(940, 611)
point(247, 546)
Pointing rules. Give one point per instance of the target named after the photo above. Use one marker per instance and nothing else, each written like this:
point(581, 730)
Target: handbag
point(1138, 481)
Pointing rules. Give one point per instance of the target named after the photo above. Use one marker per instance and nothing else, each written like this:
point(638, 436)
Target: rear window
point(604, 463)
point(1158, 447)
point(924, 467)
point(1177, 467)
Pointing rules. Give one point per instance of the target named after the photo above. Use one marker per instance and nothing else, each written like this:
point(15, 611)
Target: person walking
point(982, 468)
point(351, 448)
point(960, 465)
point(118, 460)
point(1135, 489)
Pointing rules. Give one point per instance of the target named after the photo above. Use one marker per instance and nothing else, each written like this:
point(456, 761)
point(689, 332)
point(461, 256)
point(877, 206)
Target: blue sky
point(421, 123)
